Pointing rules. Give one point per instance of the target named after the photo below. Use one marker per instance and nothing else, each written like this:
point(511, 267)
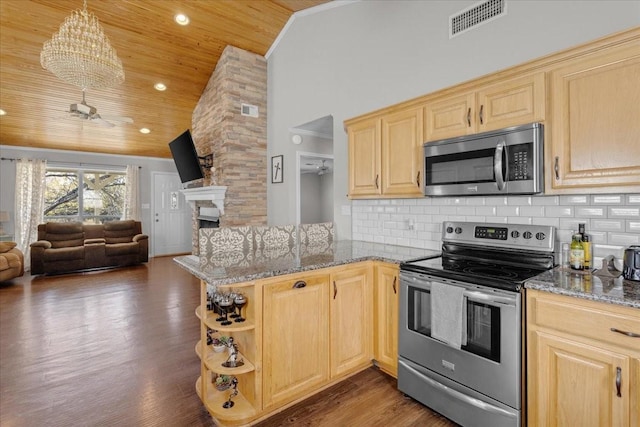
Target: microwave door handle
point(498, 162)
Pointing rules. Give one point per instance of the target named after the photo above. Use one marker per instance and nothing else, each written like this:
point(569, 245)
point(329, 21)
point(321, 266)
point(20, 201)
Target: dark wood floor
point(116, 348)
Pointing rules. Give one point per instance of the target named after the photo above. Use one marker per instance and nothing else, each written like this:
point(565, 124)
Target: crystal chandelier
point(80, 53)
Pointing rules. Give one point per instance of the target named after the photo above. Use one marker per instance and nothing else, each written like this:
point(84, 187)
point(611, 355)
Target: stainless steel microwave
point(505, 161)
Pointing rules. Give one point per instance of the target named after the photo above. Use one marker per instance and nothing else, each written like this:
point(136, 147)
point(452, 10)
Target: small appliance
point(631, 266)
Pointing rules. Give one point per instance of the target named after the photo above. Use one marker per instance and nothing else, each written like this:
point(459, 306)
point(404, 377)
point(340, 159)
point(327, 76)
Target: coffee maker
point(631, 266)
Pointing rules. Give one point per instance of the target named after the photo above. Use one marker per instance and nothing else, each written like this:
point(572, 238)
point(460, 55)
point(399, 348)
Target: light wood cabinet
point(296, 337)
point(594, 143)
point(351, 319)
point(510, 102)
point(387, 288)
point(579, 370)
point(385, 154)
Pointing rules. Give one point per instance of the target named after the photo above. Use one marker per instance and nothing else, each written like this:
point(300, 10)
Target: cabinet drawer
point(582, 318)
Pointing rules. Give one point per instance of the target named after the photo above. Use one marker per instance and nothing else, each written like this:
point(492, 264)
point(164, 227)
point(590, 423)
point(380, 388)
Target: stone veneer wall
point(238, 143)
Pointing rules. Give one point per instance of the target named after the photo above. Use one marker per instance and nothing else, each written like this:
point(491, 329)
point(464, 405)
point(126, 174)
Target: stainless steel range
point(460, 337)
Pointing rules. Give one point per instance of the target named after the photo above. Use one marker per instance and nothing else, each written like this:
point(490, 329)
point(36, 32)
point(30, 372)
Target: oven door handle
point(487, 407)
point(482, 297)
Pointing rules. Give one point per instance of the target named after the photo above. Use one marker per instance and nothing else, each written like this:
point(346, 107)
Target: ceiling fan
point(88, 112)
point(322, 169)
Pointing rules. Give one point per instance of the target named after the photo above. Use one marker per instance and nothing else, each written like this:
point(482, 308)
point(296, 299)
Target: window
point(88, 196)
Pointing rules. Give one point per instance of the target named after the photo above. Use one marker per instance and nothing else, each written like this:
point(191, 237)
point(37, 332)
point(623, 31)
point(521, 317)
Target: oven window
point(460, 168)
point(483, 330)
point(483, 323)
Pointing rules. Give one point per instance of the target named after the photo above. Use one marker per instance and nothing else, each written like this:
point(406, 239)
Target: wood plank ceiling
point(152, 47)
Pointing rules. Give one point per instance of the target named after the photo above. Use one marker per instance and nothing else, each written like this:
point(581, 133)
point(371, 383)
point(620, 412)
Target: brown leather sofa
point(11, 261)
point(73, 246)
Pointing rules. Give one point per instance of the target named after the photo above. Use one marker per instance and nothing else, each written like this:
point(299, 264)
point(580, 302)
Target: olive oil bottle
point(576, 257)
point(586, 246)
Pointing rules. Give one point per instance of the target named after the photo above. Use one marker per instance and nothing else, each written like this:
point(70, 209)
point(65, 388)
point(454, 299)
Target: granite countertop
point(588, 286)
point(236, 267)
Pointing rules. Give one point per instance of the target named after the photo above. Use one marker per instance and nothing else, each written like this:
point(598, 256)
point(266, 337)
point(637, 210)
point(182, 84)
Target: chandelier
point(80, 53)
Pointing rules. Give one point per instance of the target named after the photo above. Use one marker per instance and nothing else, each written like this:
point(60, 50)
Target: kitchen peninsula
point(315, 315)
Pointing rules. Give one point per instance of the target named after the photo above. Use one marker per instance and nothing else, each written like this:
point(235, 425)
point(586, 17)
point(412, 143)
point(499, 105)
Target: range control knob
point(449, 229)
point(458, 230)
point(527, 235)
point(540, 236)
point(515, 234)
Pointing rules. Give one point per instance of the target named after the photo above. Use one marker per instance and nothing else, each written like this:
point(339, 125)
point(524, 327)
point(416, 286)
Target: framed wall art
point(277, 169)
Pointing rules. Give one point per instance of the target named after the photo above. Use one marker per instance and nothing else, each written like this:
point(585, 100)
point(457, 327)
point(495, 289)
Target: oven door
point(489, 361)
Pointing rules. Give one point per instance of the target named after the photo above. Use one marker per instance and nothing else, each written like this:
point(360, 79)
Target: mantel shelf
point(211, 193)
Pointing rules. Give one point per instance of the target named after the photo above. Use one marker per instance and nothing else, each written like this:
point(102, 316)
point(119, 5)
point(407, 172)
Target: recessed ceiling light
point(160, 86)
point(182, 19)
point(145, 130)
point(2, 112)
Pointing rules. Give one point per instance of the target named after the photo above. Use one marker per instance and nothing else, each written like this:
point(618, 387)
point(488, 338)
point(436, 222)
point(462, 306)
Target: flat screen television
point(186, 158)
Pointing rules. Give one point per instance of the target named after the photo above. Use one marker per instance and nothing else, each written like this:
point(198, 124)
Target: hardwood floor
point(116, 348)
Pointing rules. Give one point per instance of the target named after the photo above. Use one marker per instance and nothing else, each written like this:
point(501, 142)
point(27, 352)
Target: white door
point(172, 216)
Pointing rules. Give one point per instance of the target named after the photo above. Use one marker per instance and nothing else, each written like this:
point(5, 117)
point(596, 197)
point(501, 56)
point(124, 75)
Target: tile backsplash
point(613, 220)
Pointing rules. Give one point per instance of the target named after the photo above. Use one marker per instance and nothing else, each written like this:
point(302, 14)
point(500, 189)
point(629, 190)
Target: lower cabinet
point(351, 317)
point(385, 317)
point(582, 367)
point(295, 337)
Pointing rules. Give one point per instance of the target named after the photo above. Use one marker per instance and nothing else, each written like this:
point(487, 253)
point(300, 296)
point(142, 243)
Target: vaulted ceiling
point(152, 47)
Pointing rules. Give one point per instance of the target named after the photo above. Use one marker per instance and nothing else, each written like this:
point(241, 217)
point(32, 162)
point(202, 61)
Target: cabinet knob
point(335, 290)
point(627, 333)
point(377, 181)
point(556, 168)
point(299, 284)
point(395, 278)
point(482, 114)
point(469, 117)
point(418, 179)
point(618, 381)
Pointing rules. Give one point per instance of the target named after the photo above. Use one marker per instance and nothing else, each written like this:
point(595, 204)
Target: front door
point(172, 216)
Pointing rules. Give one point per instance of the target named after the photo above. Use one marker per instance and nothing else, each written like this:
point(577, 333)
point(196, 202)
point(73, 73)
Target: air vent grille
point(475, 15)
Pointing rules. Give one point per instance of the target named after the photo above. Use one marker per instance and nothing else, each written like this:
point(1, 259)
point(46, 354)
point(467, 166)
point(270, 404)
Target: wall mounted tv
point(186, 158)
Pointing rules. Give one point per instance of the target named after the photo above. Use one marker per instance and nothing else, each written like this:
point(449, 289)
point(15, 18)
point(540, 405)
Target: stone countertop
point(236, 267)
point(588, 286)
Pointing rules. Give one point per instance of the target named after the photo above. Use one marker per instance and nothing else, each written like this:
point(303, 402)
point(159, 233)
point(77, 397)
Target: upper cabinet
point(385, 154)
point(594, 142)
point(510, 102)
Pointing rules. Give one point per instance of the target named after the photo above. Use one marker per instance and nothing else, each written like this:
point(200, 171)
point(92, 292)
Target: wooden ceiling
point(152, 47)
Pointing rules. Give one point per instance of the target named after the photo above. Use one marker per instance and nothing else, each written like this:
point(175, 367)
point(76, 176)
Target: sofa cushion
point(119, 231)
point(63, 234)
point(117, 249)
point(64, 254)
point(7, 246)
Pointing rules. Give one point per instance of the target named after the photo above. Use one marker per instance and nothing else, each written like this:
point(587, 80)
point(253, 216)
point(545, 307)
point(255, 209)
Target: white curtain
point(30, 187)
point(132, 193)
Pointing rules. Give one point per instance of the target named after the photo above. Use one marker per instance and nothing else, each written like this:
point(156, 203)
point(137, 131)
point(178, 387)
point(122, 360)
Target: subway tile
point(559, 211)
point(409, 202)
point(606, 250)
point(633, 199)
point(536, 211)
point(475, 218)
point(554, 222)
point(495, 201)
point(498, 219)
point(384, 202)
point(519, 220)
point(418, 210)
point(591, 212)
point(606, 199)
point(564, 236)
point(475, 201)
point(545, 201)
point(459, 200)
point(574, 200)
point(508, 210)
point(624, 212)
point(389, 240)
point(571, 223)
point(486, 210)
point(607, 224)
point(448, 210)
point(633, 226)
point(403, 209)
point(599, 237)
point(624, 239)
point(390, 209)
point(465, 210)
point(519, 201)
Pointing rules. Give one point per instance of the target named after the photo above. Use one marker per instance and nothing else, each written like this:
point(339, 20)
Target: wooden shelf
point(214, 362)
point(213, 401)
point(211, 322)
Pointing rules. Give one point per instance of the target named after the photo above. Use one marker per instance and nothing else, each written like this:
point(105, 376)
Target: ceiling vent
point(475, 15)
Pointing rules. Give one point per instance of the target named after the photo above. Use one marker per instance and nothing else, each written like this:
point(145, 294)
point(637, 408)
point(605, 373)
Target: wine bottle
point(586, 246)
point(577, 253)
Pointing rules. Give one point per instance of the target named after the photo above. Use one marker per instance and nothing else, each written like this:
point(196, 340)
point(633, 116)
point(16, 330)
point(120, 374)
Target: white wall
point(366, 55)
point(148, 165)
point(310, 198)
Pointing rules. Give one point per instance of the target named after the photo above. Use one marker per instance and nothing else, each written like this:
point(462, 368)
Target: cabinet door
point(510, 103)
point(402, 134)
point(295, 337)
point(351, 319)
point(451, 116)
point(364, 158)
point(595, 110)
point(574, 384)
point(386, 318)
